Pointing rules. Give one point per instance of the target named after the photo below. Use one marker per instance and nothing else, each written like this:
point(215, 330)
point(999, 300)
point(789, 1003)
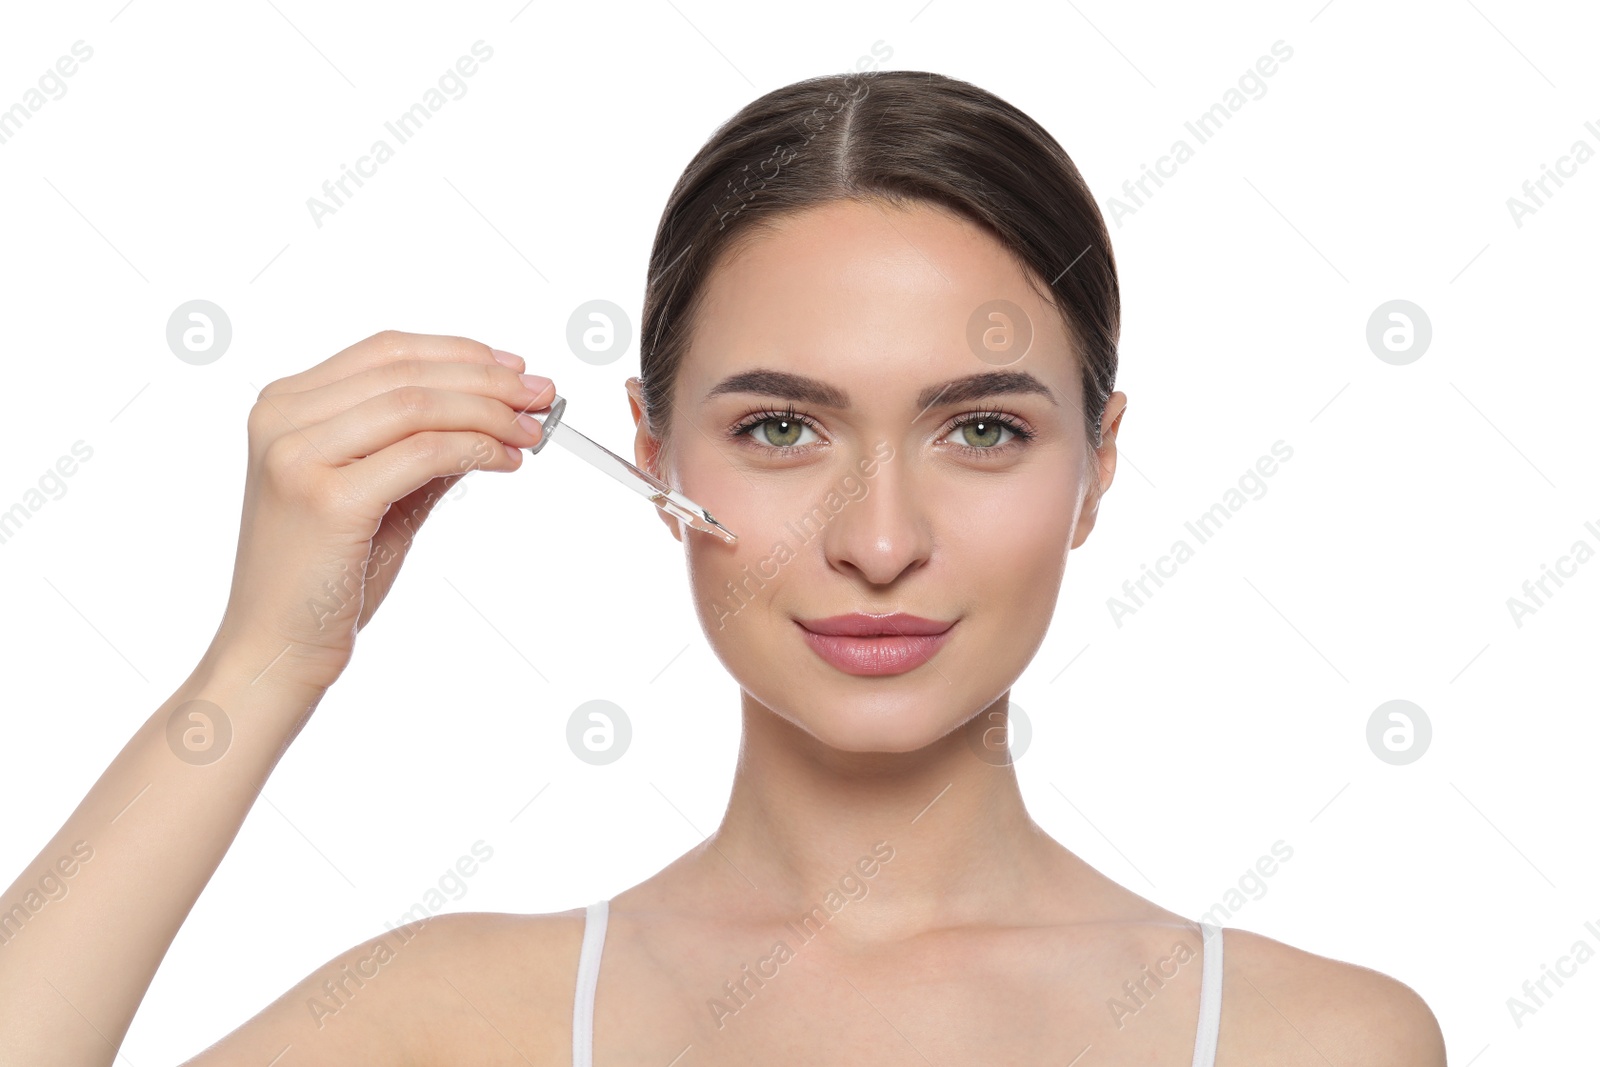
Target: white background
point(1230, 712)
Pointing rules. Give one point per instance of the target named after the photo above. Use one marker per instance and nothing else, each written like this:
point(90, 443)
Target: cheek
point(740, 580)
point(1005, 541)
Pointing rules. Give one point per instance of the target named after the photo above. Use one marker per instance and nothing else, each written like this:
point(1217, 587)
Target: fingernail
point(536, 383)
point(506, 358)
point(529, 423)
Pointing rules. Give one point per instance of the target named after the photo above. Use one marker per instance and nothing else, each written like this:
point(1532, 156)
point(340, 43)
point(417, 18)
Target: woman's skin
point(976, 939)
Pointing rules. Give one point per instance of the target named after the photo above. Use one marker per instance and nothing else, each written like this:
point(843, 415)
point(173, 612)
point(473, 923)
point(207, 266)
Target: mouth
point(875, 644)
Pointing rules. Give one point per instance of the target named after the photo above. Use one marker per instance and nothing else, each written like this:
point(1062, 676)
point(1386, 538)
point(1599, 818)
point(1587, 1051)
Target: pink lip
point(876, 648)
point(858, 625)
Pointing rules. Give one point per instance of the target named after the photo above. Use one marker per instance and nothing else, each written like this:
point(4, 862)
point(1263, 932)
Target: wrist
point(262, 669)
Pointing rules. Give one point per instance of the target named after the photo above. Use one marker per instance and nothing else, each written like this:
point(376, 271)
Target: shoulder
point(528, 959)
point(487, 987)
point(468, 987)
point(1294, 1006)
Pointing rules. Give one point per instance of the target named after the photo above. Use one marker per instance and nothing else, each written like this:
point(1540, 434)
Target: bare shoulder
point(479, 988)
point(498, 986)
point(1291, 1006)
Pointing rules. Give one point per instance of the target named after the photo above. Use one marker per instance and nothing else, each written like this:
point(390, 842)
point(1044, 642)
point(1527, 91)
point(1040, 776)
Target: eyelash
point(1020, 433)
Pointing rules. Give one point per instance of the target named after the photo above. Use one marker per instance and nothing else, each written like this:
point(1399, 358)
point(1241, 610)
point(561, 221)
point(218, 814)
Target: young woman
point(879, 343)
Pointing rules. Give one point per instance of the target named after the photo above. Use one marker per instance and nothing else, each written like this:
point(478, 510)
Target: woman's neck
point(943, 832)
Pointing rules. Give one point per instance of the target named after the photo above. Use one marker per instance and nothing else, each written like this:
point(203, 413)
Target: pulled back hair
point(899, 136)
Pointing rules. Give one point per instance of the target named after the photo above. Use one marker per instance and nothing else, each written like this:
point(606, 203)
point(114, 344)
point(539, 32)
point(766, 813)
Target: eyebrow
point(783, 385)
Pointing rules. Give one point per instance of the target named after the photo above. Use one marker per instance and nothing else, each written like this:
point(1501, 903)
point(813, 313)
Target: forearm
point(85, 926)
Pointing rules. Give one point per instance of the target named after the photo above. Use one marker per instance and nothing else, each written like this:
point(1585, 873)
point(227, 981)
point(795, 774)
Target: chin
point(890, 723)
point(894, 714)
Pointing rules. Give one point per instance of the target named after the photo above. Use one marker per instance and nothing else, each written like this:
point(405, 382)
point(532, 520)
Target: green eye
point(775, 429)
point(981, 433)
point(781, 432)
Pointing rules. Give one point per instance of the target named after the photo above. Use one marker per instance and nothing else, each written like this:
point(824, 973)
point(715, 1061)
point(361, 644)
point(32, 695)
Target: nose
point(886, 529)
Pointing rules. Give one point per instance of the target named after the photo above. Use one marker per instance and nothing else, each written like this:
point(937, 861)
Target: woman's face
point(888, 490)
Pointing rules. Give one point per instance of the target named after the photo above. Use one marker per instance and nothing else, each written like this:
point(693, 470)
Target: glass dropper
point(646, 485)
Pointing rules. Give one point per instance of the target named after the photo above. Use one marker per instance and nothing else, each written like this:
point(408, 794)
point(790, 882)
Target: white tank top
point(594, 938)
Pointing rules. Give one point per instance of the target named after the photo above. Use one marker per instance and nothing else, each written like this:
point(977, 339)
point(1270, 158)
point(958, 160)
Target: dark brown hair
point(901, 136)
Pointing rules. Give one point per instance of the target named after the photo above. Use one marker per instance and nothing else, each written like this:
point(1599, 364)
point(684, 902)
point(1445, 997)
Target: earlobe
point(1086, 518)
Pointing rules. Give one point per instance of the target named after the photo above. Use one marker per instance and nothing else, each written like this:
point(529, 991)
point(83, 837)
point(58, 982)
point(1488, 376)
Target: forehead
point(866, 293)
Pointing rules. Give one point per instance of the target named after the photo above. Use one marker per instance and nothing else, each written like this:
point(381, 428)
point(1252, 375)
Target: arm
point(345, 462)
point(88, 921)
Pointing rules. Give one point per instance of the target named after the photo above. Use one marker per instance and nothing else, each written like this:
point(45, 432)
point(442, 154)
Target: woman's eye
point(779, 432)
point(983, 433)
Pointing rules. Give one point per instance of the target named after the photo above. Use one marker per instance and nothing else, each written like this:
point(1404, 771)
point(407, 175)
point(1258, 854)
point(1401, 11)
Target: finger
point(402, 468)
point(383, 420)
point(492, 379)
point(388, 346)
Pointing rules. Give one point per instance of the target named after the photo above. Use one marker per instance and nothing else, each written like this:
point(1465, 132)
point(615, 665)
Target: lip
point(881, 645)
point(857, 624)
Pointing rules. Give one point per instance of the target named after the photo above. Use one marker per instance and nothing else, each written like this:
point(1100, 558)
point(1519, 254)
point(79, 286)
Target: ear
point(1105, 465)
point(646, 449)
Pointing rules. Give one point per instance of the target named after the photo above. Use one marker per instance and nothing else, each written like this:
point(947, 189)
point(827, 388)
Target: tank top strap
point(1205, 1037)
point(594, 939)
